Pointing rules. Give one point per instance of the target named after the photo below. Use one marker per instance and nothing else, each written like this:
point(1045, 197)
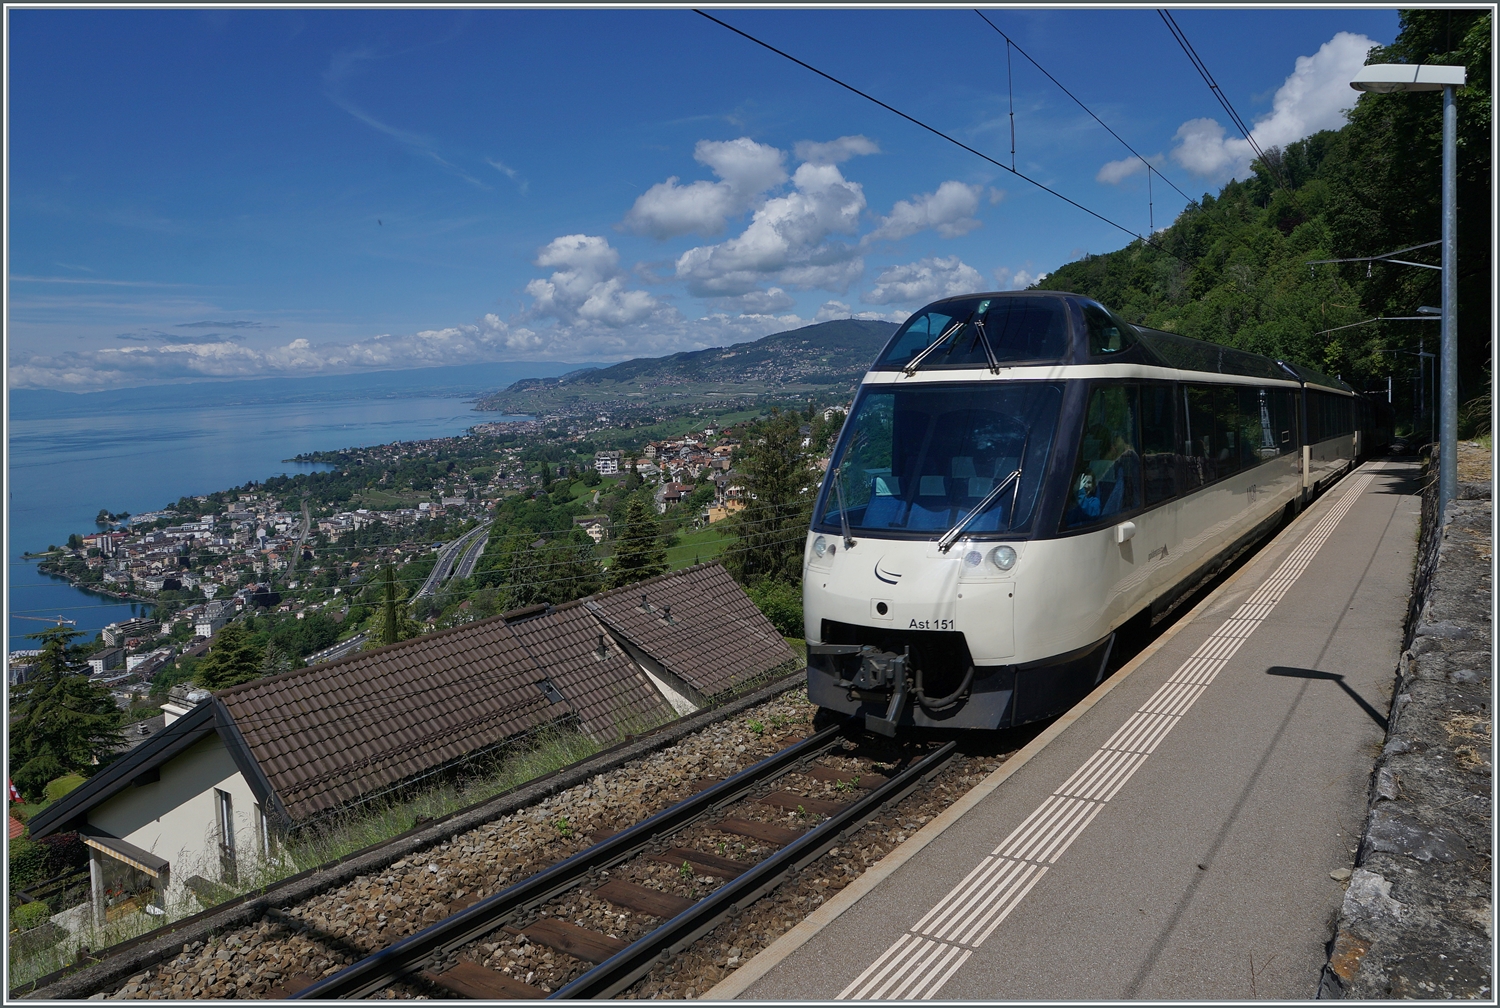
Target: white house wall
point(176, 817)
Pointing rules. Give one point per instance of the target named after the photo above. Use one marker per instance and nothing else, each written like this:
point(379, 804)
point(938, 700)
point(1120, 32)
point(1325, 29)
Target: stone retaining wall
point(1416, 920)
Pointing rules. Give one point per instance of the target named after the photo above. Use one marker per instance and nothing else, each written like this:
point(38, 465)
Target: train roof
point(1308, 376)
point(1188, 354)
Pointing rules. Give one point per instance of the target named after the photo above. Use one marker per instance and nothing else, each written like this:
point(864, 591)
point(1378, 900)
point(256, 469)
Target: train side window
point(1228, 448)
point(1159, 460)
point(1198, 437)
point(1107, 335)
point(1107, 477)
point(1257, 434)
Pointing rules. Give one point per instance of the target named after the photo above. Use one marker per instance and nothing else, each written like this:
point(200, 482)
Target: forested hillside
point(1234, 269)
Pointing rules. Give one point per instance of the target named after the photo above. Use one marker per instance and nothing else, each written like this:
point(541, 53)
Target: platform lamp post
point(1385, 78)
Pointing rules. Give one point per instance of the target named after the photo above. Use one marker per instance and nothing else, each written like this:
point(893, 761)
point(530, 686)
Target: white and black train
point(1022, 475)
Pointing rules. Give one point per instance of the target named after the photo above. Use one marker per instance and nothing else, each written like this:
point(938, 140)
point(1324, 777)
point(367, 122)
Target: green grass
point(62, 785)
point(672, 427)
point(698, 547)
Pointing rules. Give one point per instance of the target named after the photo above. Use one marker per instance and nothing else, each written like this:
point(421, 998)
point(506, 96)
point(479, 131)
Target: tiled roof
point(595, 677)
point(329, 734)
point(699, 624)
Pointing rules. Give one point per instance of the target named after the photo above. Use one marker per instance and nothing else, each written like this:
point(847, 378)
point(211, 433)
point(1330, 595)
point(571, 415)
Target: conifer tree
point(779, 485)
point(392, 622)
point(639, 550)
point(60, 720)
point(233, 658)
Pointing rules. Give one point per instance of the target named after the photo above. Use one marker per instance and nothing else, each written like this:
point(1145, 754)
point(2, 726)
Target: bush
point(65, 853)
point(30, 915)
point(28, 863)
point(33, 777)
point(782, 604)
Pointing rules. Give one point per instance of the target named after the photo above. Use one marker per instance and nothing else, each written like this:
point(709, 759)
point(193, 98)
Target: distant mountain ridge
point(811, 358)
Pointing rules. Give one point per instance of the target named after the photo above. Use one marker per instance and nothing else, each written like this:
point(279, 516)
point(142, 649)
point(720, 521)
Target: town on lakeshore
point(298, 557)
point(510, 544)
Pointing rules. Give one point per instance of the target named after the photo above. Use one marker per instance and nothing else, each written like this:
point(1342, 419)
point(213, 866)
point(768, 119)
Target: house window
point(265, 834)
point(225, 806)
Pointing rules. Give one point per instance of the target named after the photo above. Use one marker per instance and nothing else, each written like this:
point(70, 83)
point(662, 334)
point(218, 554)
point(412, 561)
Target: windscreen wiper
point(989, 351)
point(916, 362)
point(838, 488)
point(951, 536)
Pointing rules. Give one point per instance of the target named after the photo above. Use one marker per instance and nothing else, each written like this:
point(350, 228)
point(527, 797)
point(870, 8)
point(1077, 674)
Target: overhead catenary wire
point(1218, 92)
point(1009, 42)
point(939, 133)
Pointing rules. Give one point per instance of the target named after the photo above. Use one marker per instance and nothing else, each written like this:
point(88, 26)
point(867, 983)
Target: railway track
point(597, 922)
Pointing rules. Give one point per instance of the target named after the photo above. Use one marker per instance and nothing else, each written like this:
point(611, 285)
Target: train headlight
point(973, 558)
point(820, 546)
point(1003, 557)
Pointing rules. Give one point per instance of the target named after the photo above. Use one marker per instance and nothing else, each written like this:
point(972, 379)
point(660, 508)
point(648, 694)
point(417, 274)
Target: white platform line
point(922, 960)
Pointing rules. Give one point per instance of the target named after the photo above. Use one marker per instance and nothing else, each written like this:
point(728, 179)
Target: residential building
point(229, 772)
point(607, 463)
point(103, 661)
point(718, 512)
point(116, 633)
point(21, 665)
point(207, 626)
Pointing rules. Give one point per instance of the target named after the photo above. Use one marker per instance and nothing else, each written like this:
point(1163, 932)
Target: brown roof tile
point(333, 733)
point(699, 624)
point(597, 679)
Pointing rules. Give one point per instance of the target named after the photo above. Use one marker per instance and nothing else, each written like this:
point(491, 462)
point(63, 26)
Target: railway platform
point(1175, 836)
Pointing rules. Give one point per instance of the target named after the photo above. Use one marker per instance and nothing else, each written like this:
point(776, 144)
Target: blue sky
point(234, 193)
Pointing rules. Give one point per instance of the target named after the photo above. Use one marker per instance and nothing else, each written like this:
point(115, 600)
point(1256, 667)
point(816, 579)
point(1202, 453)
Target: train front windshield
point(915, 460)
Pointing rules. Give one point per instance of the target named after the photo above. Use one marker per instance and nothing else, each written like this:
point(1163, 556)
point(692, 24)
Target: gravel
point(322, 934)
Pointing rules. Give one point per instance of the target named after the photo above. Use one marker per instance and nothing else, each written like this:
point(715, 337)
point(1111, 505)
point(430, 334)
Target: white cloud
point(925, 280)
point(839, 310)
point(1312, 98)
point(757, 302)
point(746, 169)
point(510, 173)
point(786, 241)
point(949, 211)
point(588, 287)
point(1008, 279)
point(1115, 172)
point(835, 151)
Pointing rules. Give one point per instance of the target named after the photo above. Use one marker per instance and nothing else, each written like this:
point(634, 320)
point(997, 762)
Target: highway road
point(475, 551)
point(448, 556)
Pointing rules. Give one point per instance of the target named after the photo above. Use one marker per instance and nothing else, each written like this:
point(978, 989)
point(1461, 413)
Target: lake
point(71, 456)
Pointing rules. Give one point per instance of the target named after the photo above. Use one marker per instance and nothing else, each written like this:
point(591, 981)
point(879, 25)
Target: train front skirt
point(879, 686)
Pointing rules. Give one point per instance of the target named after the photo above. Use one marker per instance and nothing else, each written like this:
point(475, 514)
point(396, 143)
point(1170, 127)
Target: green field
point(698, 547)
point(674, 427)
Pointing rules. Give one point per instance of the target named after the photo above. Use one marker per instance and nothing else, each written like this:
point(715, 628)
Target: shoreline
point(93, 590)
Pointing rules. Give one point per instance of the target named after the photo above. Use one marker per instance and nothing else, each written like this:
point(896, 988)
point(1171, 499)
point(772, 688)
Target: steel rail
point(630, 964)
point(403, 959)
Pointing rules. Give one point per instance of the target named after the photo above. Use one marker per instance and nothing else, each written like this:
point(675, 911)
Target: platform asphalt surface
point(1175, 842)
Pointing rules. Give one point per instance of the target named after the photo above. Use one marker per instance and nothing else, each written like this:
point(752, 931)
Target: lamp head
point(1384, 78)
